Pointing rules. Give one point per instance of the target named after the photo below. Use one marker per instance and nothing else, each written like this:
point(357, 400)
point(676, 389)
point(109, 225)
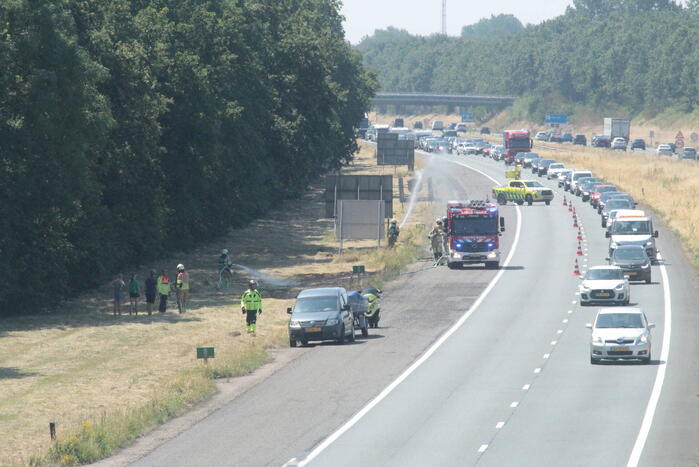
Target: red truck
point(515, 141)
point(473, 230)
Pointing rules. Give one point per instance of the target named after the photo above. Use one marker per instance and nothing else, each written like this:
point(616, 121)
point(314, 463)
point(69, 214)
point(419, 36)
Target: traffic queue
point(621, 332)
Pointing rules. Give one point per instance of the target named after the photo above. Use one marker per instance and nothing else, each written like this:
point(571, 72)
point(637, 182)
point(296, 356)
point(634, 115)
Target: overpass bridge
point(450, 100)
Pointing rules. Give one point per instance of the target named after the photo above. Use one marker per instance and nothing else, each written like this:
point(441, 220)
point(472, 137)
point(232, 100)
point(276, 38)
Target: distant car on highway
point(577, 175)
point(567, 138)
point(638, 144)
point(688, 153)
point(601, 141)
point(619, 144)
point(604, 284)
point(587, 188)
point(555, 138)
point(599, 191)
point(580, 140)
point(461, 127)
point(485, 130)
point(564, 177)
point(615, 214)
point(541, 136)
point(634, 261)
point(620, 334)
point(605, 197)
point(437, 125)
point(496, 152)
point(554, 169)
point(664, 150)
point(542, 167)
point(529, 158)
point(582, 182)
point(633, 231)
point(321, 315)
point(614, 204)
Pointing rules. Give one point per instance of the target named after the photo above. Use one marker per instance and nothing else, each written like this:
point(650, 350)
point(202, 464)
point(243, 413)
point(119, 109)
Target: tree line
point(129, 128)
point(635, 55)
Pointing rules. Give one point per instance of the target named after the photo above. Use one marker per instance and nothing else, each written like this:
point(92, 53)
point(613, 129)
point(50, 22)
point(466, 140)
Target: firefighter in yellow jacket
point(251, 304)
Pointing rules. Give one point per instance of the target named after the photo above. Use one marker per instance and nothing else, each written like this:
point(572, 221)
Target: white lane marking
point(291, 462)
point(514, 404)
point(565, 321)
point(574, 302)
point(499, 425)
point(537, 370)
point(546, 356)
point(554, 342)
point(429, 352)
point(560, 331)
point(577, 293)
point(483, 448)
point(640, 443)
point(526, 387)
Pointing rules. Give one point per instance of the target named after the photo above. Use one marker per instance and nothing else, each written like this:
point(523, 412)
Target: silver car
point(620, 334)
point(604, 284)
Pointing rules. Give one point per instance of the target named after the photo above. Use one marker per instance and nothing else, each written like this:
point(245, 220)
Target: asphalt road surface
point(479, 367)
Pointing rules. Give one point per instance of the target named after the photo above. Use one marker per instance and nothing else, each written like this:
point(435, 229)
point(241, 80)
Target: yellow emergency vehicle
point(523, 191)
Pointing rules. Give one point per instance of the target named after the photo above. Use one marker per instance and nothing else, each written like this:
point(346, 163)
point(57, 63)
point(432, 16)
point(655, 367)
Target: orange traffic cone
point(565, 200)
point(576, 269)
point(579, 234)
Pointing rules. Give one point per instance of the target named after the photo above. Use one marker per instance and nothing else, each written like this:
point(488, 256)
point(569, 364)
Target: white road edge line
point(483, 448)
point(640, 443)
point(499, 425)
point(526, 387)
point(425, 356)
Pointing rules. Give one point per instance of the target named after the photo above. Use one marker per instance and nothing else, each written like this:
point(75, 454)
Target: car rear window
point(619, 320)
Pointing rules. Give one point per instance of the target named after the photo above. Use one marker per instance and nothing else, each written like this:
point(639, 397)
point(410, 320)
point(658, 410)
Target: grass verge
point(105, 379)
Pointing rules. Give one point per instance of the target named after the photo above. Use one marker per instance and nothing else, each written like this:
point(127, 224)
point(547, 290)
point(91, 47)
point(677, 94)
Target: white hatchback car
point(620, 334)
point(605, 284)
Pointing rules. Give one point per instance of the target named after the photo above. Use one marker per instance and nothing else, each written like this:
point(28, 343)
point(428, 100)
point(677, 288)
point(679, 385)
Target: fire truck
point(473, 229)
point(515, 141)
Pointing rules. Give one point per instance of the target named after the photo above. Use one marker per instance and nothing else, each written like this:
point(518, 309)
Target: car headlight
point(642, 339)
point(332, 321)
point(645, 266)
point(613, 245)
point(294, 324)
point(648, 244)
point(492, 254)
point(584, 288)
point(597, 340)
point(619, 287)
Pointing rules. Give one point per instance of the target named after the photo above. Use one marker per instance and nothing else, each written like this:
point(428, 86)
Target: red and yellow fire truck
point(473, 229)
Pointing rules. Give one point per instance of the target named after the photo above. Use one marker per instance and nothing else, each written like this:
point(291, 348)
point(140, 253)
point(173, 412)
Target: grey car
point(634, 261)
point(321, 315)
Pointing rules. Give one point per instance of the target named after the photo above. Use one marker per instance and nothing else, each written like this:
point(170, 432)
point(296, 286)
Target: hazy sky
point(424, 17)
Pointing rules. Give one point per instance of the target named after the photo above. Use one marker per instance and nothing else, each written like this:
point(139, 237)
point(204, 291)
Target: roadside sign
point(466, 118)
point(359, 269)
point(679, 140)
point(651, 134)
point(205, 352)
point(556, 118)
point(694, 137)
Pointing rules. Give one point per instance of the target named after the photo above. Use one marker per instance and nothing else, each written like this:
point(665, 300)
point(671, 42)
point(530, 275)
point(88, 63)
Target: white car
point(541, 136)
point(554, 170)
point(620, 334)
point(604, 284)
point(664, 150)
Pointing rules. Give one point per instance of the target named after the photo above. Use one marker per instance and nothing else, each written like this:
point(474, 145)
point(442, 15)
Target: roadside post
point(651, 135)
point(205, 353)
point(358, 270)
point(52, 430)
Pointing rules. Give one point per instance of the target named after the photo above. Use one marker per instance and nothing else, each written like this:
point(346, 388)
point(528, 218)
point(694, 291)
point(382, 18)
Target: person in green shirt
point(134, 293)
point(251, 305)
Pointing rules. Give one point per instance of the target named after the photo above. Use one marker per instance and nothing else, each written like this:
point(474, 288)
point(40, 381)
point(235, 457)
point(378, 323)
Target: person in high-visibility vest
point(182, 288)
point(163, 285)
point(251, 305)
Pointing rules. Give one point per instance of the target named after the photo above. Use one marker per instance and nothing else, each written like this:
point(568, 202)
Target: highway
point(479, 367)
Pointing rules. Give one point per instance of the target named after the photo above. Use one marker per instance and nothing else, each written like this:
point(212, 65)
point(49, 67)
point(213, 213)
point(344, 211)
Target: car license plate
point(631, 273)
point(313, 329)
point(603, 294)
point(475, 256)
point(619, 349)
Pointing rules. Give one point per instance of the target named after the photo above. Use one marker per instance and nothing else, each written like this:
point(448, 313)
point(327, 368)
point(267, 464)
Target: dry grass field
point(105, 379)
